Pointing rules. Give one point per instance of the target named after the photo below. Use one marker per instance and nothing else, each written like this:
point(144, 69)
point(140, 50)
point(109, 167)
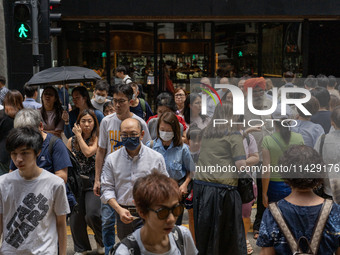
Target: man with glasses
point(121, 170)
point(110, 141)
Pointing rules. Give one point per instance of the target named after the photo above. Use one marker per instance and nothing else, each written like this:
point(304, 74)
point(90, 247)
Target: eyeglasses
point(163, 212)
point(129, 135)
point(180, 95)
point(119, 101)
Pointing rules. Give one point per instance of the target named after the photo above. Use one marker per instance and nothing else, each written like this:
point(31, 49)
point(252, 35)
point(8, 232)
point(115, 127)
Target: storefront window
point(272, 49)
point(195, 30)
point(236, 47)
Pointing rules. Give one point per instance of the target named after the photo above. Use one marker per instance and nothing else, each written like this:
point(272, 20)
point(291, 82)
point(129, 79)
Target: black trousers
point(218, 220)
point(260, 208)
point(123, 230)
point(88, 214)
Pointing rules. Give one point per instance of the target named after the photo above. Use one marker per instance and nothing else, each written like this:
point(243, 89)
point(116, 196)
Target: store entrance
point(181, 60)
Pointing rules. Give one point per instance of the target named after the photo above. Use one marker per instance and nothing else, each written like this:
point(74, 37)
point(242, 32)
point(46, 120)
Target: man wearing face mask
point(100, 95)
point(121, 170)
point(110, 140)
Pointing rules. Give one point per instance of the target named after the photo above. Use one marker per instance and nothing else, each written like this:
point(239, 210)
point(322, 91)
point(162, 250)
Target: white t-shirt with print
point(109, 133)
point(29, 209)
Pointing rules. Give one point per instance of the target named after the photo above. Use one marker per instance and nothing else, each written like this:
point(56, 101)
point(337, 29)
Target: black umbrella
point(63, 75)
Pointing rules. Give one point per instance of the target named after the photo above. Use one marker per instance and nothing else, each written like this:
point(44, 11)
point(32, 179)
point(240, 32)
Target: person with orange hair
point(157, 200)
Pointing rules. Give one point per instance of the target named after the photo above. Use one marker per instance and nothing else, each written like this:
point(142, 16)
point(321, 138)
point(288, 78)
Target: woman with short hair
point(180, 96)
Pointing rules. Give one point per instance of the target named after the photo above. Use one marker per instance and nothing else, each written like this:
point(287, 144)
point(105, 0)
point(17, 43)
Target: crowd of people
point(140, 170)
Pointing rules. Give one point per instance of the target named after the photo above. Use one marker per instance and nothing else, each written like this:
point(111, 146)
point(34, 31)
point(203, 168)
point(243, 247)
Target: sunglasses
point(163, 212)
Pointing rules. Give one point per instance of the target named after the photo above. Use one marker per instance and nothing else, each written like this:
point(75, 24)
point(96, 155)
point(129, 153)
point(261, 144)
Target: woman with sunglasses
point(157, 200)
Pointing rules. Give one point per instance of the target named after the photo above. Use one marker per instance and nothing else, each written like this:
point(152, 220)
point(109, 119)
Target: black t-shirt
point(138, 110)
point(324, 119)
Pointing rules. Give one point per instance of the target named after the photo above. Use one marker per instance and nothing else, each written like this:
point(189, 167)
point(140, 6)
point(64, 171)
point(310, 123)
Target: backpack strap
point(317, 232)
point(130, 242)
point(320, 225)
point(143, 105)
point(178, 237)
point(278, 143)
point(51, 144)
point(277, 214)
point(322, 141)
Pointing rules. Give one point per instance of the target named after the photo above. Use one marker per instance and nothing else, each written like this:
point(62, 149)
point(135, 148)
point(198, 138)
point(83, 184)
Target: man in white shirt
point(121, 170)
point(110, 141)
point(122, 74)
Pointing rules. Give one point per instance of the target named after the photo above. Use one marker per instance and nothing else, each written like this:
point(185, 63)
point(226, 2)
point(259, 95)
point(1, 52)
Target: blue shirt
point(73, 115)
point(310, 131)
point(178, 159)
point(31, 104)
point(301, 221)
point(55, 162)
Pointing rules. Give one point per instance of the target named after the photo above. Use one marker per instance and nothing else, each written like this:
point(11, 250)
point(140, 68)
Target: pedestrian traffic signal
point(47, 15)
point(22, 21)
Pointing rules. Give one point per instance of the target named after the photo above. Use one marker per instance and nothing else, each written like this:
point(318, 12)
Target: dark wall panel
point(200, 7)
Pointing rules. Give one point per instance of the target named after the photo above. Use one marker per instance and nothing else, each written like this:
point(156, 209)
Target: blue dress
point(301, 221)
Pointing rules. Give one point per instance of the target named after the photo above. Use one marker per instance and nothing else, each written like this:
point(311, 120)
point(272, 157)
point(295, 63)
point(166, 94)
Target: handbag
point(245, 187)
point(189, 187)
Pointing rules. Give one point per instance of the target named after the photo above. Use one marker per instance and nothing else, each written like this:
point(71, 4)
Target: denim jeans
point(108, 227)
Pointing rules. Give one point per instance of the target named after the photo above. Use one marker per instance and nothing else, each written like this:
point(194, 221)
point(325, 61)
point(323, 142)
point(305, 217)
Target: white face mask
point(166, 136)
point(100, 99)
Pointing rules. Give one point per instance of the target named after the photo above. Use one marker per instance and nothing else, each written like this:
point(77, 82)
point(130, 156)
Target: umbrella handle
point(64, 104)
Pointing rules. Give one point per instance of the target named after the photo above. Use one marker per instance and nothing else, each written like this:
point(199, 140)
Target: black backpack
point(132, 245)
point(74, 180)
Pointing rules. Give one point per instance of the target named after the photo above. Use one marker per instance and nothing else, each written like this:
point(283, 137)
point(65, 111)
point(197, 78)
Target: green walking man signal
point(22, 20)
point(22, 31)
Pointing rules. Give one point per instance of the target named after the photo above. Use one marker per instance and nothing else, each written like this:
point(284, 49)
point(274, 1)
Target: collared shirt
point(178, 159)
point(331, 157)
point(30, 103)
point(121, 171)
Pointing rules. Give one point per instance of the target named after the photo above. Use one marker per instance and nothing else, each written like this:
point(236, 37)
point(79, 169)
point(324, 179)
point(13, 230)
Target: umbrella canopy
point(63, 75)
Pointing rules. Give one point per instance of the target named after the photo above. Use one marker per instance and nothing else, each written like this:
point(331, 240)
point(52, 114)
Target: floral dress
point(87, 165)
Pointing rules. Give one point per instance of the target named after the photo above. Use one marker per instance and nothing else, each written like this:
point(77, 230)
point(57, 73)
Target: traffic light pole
point(35, 34)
